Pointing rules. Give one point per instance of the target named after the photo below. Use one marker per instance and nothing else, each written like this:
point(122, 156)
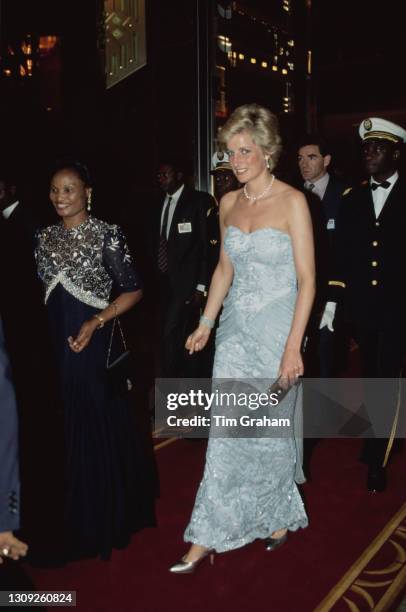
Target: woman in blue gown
point(109, 485)
point(265, 279)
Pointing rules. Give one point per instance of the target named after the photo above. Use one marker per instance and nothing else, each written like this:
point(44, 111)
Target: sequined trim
point(83, 296)
point(86, 260)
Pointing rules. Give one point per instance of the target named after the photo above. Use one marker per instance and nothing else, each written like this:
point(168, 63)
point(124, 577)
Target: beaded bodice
point(86, 260)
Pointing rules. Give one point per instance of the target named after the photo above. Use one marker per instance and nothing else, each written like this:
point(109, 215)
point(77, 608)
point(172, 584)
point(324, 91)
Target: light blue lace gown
point(249, 487)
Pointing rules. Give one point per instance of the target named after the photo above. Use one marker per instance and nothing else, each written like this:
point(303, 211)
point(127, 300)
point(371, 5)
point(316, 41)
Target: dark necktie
point(384, 185)
point(163, 242)
point(310, 186)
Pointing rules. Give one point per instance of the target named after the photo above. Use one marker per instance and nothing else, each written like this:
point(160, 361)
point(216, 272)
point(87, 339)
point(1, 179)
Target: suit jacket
point(35, 379)
point(21, 293)
point(22, 220)
point(9, 476)
point(324, 214)
point(332, 200)
point(187, 251)
point(371, 259)
point(213, 239)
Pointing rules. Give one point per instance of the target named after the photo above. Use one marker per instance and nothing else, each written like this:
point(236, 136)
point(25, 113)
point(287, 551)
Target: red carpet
point(344, 519)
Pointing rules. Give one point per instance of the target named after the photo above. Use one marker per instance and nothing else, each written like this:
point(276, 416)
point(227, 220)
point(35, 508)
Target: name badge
point(184, 228)
point(331, 224)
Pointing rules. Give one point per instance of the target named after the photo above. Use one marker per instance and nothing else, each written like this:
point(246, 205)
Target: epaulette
point(336, 283)
point(347, 191)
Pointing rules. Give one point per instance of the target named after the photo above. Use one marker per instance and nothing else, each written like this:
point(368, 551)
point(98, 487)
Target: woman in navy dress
point(109, 485)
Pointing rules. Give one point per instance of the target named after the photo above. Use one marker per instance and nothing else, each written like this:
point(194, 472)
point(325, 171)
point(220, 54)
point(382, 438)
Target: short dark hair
point(74, 165)
point(315, 139)
point(8, 176)
point(178, 165)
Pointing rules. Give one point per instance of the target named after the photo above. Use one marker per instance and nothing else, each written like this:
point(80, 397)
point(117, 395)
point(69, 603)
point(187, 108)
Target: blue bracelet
point(207, 322)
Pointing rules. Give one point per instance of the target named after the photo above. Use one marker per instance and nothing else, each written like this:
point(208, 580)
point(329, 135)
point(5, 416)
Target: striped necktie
point(163, 242)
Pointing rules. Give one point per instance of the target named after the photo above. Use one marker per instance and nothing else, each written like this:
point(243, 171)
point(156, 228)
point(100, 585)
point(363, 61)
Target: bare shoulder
point(294, 200)
point(288, 193)
point(227, 202)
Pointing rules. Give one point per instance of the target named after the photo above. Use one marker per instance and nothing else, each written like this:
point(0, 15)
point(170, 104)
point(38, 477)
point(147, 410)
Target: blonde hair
point(262, 125)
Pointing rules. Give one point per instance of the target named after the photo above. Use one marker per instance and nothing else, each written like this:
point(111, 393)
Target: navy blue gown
point(109, 484)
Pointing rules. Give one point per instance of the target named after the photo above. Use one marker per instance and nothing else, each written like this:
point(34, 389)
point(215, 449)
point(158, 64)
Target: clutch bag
point(280, 389)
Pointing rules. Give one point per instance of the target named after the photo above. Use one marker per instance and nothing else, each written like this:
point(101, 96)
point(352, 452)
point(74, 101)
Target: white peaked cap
point(374, 127)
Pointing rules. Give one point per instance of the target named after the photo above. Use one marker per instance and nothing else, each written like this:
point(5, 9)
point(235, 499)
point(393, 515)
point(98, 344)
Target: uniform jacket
point(370, 258)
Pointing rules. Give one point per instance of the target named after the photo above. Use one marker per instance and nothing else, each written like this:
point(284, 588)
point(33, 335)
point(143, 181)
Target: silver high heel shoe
point(274, 543)
point(188, 567)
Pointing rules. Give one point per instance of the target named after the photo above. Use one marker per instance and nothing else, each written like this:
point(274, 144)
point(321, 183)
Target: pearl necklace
point(261, 195)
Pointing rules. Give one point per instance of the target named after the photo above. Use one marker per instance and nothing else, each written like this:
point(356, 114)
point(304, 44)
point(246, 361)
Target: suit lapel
point(391, 200)
point(158, 218)
point(327, 199)
point(369, 204)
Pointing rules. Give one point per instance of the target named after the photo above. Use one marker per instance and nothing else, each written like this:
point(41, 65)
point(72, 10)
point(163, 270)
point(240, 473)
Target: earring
point(89, 202)
point(267, 163)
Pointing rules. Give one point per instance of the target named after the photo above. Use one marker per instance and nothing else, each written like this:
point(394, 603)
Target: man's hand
point(11, 547)
point(328, 316)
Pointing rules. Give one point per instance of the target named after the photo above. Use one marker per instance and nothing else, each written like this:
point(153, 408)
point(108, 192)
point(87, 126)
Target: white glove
point(328, 316)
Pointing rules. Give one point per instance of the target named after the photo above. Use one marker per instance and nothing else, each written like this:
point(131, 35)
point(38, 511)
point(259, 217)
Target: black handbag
point(118, 360)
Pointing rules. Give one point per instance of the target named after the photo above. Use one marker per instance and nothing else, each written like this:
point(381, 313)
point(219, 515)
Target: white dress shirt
point(380, 195)
point(10, 209)
point(175, 198)
point(320, 185)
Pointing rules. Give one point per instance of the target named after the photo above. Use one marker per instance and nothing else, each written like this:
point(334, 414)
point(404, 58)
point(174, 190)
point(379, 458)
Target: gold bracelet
point(100, 319)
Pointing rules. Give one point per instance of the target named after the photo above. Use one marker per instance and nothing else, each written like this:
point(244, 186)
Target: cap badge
point(367, 124)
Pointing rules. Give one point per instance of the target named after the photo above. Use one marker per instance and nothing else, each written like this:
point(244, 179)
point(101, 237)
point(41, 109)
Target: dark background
point(358, 61)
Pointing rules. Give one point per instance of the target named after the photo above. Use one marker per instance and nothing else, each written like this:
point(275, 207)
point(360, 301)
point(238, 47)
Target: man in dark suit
point(324, 193)
point(12, 209)
point(180, 247)
point(10, 546)
point(25, 335)
point(29, 350)
point(370, 271)
point(18, 276)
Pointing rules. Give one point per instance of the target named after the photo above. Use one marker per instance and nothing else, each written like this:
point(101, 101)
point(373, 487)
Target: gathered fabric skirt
point(109, 485)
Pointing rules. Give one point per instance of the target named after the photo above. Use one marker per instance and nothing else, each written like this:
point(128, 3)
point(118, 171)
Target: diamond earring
point(89, 202)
